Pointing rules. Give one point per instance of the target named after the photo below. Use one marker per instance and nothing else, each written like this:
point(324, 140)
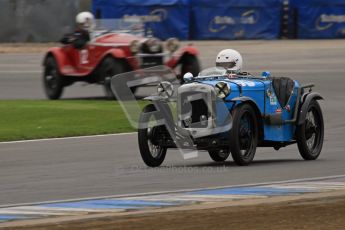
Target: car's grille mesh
point(147, 62)
point(197, 108)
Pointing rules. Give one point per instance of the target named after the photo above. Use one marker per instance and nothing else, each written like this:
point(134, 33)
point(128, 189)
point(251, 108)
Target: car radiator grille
point(147, 62)
point(198, 110)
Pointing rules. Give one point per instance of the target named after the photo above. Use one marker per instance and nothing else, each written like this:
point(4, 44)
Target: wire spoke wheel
point(53, 81)
point(311, 133)
point(148, 137)
point(244, 134)
point(152, 130)
point(51, 78)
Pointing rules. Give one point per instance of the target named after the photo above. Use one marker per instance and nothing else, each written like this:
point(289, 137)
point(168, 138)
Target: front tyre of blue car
point(311, 133)
point(244, 135)
point(148, 133)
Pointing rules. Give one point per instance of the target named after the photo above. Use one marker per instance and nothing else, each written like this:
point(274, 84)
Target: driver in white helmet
point(231, 60)
point(81, 36)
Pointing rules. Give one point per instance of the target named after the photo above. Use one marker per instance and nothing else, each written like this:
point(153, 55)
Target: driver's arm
point(82, 37)
point(66, 39)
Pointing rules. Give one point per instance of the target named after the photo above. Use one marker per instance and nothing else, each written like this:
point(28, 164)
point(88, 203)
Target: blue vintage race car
point(223, 113)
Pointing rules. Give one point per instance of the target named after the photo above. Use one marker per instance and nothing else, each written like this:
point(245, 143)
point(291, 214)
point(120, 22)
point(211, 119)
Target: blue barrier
point(168, 18)
point(319, 18)
point(246, 19)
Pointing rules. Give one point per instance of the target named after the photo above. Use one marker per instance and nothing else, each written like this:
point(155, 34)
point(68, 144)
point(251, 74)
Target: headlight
point(222, 89)
point(165, 89)
point(134, 46)
point(172, 44)
point(187, 77)
point(154, 45)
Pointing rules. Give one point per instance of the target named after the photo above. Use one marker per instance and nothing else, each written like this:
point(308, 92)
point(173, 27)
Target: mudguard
point(303, 111)
point(116, 53)
point(176, 58)
point(189, 50)
point(247, 99)
point(257, 111)
point(60, 57)
point(131, 63)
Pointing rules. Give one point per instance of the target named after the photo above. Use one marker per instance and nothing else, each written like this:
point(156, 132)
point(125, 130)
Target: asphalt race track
point(110, 165)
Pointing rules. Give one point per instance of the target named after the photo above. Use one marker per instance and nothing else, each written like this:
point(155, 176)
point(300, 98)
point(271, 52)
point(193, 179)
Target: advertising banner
point(247, 19)
point(320, 18)
point(164, 19)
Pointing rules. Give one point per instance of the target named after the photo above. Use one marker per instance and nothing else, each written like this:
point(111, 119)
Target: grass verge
point(34, 119)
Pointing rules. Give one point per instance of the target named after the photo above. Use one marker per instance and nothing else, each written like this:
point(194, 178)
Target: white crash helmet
point(85, 20)
point(230, 59)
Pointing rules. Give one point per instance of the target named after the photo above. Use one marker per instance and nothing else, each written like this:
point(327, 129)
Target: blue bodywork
point(222, 112)
point(260, 92)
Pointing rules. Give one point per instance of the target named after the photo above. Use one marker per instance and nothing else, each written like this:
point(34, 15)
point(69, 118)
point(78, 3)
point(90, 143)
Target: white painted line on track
point(34, 209)
point(30, 65)
point(57, 210)
point(217, 197)
point(67, 138)
point(32, 212)
point(172, 191)
point(20, 71)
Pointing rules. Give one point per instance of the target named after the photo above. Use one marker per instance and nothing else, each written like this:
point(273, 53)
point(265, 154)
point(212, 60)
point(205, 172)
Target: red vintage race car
point(111, 52)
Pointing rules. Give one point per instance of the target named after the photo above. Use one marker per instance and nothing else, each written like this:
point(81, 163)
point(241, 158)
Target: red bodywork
point(83, 62)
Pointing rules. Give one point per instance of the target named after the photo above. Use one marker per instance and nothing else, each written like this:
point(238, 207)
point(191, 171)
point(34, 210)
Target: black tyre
point(311, 133)
point(110, 67)
point(190, 63)
point(152, 154)
point(244, 134)
point(53, 81)
point(219, 155)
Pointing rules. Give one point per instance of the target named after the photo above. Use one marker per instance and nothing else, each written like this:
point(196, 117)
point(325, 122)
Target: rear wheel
point(53, 81)
point(219, 155)
point(152, 154)
point(244, 135)
point(311, 133)
point(110, 67)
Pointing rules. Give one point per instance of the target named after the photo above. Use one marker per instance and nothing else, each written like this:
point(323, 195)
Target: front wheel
point(244, 135)
point(53, 80)
point(310, 134)
point(148, 134)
